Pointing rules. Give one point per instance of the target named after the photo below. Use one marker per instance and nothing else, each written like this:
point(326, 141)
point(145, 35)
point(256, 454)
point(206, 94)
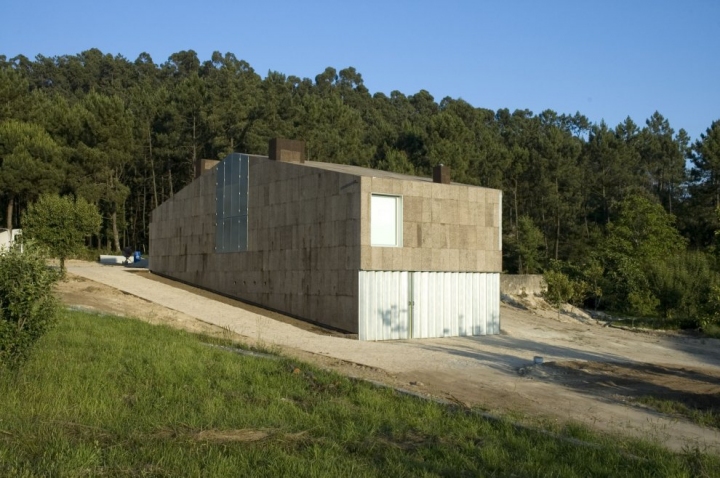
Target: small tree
point(61, 224)
point(27, 304)
point(561, 289)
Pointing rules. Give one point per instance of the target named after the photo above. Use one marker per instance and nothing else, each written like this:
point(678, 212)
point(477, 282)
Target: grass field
point(105, 396)
point(703, 413)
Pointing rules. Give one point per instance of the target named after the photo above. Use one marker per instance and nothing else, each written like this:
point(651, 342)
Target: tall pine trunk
point(9, 217)
point(116, 235)
point(152, 168)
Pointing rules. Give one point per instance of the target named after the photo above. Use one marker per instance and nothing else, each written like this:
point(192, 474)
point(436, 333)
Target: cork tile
point(463, 213)
point(481, 261)
point(436, 260)
point(439, 236)
point(437, 214)
point(410, 234)
point(365, 258)
point(425, 237)
point(454, 236)
point(478, 215)
point(411, 188)
point(468, 260)
point(495, 261)
point(309, 186)
point(349, 258)
point(406, 259)
point(412, 208)
point(462, 193)
point(377, 258)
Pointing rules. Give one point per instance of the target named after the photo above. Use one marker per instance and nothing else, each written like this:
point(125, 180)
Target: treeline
point(125, 135)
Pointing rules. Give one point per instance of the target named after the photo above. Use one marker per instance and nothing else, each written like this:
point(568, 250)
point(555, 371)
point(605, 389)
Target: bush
point(562, 289)
point(27, 305)
point(61, 224)
point(683, 283)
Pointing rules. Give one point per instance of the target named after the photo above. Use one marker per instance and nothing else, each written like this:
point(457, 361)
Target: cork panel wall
point(303, 242)
point(446, 227)
point(182, 228)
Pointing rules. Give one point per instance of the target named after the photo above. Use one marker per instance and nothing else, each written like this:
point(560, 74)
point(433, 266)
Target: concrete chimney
point(287, 150)
point(441, 174)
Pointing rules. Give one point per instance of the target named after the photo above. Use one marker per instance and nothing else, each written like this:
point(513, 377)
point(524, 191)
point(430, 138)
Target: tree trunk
point(152, 168)
point(144, 216)
point(517, 229)
point(194, 144)
point(557, 237)
point(116, 236)
point(9, 217)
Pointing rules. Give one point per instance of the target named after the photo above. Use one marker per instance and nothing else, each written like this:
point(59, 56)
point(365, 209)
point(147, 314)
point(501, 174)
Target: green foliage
point(641, 236)
point(702, 414)
point(524, 247)
point(684, 285)
point(529, 244)
point(124, 135)
point(562, 288)
point(29, 162)
point(27, 305)
point(593, 272)
point(118, 397)
point(643, 230)
point(61, 224)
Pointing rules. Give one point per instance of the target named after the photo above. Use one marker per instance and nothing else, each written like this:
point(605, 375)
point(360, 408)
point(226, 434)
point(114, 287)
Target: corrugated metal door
point(384, 309)
point(429, 304)
point(451, 304)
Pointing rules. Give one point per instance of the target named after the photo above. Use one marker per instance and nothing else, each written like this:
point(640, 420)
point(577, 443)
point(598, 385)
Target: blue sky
point(607, 60)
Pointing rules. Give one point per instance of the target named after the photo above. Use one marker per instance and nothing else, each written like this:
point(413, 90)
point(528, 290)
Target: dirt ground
point(84, 294)
point(590, 373)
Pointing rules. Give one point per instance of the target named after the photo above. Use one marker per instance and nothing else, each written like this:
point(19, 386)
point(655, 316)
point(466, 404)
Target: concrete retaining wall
point(522, 284)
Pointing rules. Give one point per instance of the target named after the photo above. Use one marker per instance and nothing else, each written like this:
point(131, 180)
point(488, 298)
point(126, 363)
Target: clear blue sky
point(607, 60)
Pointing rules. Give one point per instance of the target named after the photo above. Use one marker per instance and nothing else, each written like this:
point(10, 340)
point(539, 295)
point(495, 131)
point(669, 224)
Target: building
point(8, 237)
point(383, 255)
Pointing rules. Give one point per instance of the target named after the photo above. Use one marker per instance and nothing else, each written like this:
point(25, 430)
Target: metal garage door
point(401, 305)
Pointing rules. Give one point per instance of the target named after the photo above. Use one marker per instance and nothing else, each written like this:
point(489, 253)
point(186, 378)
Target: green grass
point(104, 396)
point(708, 417)
point(655, 323)
point(712, 331)
point(659, 323)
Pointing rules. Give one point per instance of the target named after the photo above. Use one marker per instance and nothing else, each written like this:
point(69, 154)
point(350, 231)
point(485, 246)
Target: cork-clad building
point(380, 254)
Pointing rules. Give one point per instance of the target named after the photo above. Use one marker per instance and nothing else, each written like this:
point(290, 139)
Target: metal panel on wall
point(231, 197)
point(451, 304)
point(398, 305)
point(383, 307)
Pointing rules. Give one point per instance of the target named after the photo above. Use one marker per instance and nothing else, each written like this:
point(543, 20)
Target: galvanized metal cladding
point(231, 204)
point(403, 305)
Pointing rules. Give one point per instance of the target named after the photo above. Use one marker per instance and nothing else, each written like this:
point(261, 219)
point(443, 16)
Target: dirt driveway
point(589, 374)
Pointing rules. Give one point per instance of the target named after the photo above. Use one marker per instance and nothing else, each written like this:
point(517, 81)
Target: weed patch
point(704, 414)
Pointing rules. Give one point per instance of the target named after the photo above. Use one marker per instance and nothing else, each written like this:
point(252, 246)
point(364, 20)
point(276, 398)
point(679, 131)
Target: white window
point(386, 223)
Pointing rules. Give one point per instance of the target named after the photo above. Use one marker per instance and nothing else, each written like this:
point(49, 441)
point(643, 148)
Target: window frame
point(398, 220)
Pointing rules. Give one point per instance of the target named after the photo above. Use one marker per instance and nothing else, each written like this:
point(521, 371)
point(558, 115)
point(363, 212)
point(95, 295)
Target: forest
point(623, 216)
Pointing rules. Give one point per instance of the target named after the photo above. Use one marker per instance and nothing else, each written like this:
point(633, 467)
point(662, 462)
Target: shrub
point(683, 283)
point(27, 304)
point(562, 289)
point(61, 224)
